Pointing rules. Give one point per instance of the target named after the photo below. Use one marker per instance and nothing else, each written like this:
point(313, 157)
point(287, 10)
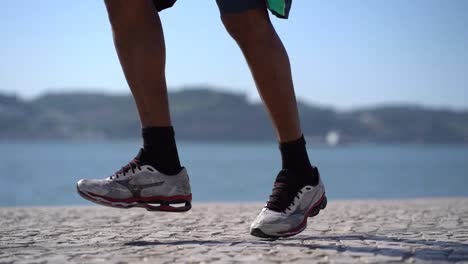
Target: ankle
point(160, 149)
point(295, 158)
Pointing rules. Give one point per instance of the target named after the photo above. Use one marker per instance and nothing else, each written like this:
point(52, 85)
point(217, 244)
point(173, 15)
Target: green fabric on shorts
point(279, 8)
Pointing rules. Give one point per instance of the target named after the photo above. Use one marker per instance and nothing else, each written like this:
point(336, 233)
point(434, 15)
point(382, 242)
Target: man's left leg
point(298, 191)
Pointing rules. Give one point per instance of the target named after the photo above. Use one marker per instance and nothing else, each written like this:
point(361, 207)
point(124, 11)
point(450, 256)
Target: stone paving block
point(458, 257)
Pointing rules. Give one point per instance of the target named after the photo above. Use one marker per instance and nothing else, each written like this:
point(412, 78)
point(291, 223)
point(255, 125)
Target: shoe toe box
point(91, 186)
point(271, 222)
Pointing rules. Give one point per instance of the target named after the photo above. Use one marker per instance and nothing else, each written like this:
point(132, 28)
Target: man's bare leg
point(270, 67)
point(269, 64)
point(139, 41)
point(154, 180)
point(298, 192)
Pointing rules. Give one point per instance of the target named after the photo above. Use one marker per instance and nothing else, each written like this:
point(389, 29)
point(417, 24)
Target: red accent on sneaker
point(146, 199)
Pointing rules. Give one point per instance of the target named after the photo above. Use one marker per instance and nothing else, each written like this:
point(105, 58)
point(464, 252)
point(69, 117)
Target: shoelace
point(132, 165)
point(283, 194)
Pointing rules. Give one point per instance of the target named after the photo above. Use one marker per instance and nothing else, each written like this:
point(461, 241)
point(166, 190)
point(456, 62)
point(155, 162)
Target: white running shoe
point(140, 185)
point(288, 208)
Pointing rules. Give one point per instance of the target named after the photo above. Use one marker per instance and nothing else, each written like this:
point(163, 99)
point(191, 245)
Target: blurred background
point(382, 89)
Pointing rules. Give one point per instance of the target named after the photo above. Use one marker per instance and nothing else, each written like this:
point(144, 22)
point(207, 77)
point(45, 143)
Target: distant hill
point(205, 114)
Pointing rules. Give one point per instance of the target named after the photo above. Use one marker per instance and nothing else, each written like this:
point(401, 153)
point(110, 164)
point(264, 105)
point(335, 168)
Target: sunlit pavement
point(412, 231)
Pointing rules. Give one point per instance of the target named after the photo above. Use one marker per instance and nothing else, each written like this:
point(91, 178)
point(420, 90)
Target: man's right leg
point(139, 41)
point(155, 175)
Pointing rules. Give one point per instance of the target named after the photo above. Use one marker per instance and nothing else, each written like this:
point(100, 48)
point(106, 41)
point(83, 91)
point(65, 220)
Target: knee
point(125, 15)
point(247, 26)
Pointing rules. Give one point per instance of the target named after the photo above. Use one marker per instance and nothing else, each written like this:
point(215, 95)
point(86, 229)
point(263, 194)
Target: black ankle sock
point(295, 159)
point(160, 150)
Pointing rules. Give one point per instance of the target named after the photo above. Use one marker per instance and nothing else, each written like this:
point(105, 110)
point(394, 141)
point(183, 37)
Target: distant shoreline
point(206, 114)
point(230, 142)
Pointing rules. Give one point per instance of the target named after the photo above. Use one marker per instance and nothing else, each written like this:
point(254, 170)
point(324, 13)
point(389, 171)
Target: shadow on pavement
point(425, 249)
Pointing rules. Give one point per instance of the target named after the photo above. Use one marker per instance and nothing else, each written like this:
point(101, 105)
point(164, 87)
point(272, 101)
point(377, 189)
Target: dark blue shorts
point(238, 6)
point(232, 6)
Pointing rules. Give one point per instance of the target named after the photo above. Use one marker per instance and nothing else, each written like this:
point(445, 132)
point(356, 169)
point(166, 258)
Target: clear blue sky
point(343, 53)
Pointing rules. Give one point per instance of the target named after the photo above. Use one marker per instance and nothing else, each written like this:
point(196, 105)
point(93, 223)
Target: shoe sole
point(313, 211)
point(165, 205)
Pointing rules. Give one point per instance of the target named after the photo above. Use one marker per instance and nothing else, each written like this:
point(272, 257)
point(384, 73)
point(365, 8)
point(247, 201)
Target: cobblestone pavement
point(412, 231)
